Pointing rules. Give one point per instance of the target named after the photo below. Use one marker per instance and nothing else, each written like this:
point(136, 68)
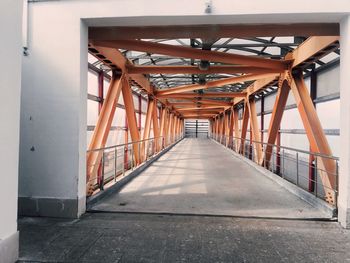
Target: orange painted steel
point(236, 126)
point(202, 108)
point(103, 126)
point(254, 131)
point(310, 48)
point(214, 83)
point(226, 69)
point(147, 129)
point(223, 114)
point(315, 134)
point(213, 30)
point(162, 129)
point(245, 120)
point(155, 125)
point(204, 95)
point(188, 52)
point(200, 101)
point(276, 117)
point(131, 117)
point(170, 128)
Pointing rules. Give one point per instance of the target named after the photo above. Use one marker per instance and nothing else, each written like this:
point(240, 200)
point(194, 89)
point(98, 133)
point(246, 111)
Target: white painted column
point(10, 88)
point(344, 173)
point(53, 114)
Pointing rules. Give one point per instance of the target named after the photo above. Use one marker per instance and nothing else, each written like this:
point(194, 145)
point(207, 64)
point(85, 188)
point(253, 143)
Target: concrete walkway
point(198, 176)
point(124, 238)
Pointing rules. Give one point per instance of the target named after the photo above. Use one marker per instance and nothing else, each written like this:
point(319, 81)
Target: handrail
point(311, 182)
point(289, 148)
point(109, 169)
point(124, 144)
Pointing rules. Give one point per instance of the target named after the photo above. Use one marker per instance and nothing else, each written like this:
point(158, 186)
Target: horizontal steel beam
point(214, 31)
point(188, 52)
point(204, 95)
point(196, 70)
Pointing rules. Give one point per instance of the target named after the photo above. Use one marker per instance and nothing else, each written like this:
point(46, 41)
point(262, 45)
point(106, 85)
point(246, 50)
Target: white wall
point(10, 86)
point(53, 113)
point(344, 179)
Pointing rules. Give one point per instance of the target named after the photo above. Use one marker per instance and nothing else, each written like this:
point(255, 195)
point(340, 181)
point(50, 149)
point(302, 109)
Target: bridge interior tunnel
point(220, 112)
point(264, 98)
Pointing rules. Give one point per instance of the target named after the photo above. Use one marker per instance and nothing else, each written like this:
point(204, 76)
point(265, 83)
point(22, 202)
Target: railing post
point(103, 171)
point(316, 174)
point(297, 156)
point(124, 161)
point(132, 157)
point(273, 161)
point(283, 163)
point(115, 163)
point(139, 149)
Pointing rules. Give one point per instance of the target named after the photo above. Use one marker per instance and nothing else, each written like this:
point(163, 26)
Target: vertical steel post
point(313, 96)
point(132, 157)
point(283, 159)
point(262, 109)
point(316, 174)
point(103, 171)
point(273, 160)
point(297, 157)
point(115, 163)
point(139, 149)
point(140, 112)
point(124, 161)
point(278, 151)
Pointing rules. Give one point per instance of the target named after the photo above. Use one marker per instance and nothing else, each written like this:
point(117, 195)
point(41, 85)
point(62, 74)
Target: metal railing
point(119, 159)
point(199, 134)
point(302, 168)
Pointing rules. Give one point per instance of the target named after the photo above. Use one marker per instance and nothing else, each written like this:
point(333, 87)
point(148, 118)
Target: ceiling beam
point(200, 108)
point(213, 102)
point(198, 117)
point(214, 31)
point(195, 101)
point(215, 83)
point(255, 87)
point(195, 70)
point(188, 52)
point(204, 95)
point(311, 47)
point(115, 59)
point(199, 114)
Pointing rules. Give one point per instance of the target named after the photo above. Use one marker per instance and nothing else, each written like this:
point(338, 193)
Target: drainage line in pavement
point(319, 219)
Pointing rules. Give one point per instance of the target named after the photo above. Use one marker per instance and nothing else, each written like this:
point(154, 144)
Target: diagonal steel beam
point(104, 122)
point(214, 83)
point(196, 70)
point(187, 52)
point(316, 136)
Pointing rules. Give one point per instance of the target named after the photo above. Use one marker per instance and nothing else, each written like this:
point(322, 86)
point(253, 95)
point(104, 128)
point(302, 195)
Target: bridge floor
point(199, 176)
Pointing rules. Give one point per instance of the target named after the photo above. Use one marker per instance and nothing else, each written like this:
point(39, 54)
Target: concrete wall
point(10, 87)
point(52, 175)
point(344, 180)
point(53, 118)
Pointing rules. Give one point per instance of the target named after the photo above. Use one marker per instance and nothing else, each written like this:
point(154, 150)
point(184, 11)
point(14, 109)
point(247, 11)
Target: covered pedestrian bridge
point(167, 131)
point(209, 91)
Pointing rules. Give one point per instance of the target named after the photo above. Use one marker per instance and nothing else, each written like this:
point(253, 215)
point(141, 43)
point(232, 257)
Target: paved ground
point(198, 176)
point(195, 177)
point(153, 238)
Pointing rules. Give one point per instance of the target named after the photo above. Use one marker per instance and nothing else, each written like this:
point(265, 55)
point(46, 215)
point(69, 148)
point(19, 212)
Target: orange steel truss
point(167, 108)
